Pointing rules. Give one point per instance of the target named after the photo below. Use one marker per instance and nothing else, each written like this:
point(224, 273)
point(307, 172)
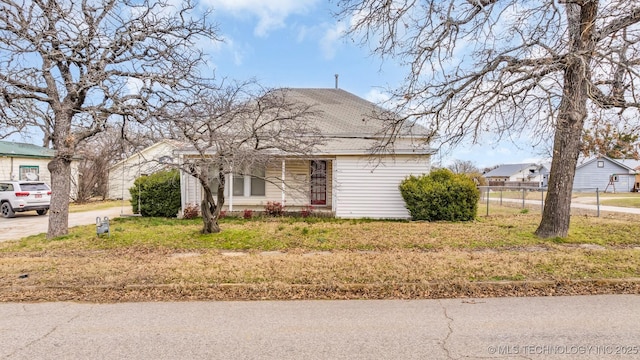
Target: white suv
point(19, 196)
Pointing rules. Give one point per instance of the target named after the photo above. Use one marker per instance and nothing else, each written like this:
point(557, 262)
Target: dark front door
point(319, 182)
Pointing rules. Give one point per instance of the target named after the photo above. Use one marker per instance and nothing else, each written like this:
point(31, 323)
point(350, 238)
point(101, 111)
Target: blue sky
point(298, 43)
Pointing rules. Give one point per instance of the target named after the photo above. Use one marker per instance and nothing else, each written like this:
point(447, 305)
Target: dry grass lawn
point(161, 259)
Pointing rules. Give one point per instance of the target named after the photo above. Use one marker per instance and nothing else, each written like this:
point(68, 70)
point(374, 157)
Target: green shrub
point(441, 195)
point(158, 194)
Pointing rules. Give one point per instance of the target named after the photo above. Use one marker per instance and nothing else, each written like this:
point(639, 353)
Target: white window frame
point(245, 190)
point(23, 170)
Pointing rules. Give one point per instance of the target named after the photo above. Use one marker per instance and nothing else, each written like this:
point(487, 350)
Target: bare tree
point(463, 167)
point(508, 67)
point(97, 154)
point(241, 128)
point(80, 62)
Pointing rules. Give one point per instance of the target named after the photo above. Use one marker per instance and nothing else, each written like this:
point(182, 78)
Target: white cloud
point(376, 96)
point(329, 42)
point(271, 14)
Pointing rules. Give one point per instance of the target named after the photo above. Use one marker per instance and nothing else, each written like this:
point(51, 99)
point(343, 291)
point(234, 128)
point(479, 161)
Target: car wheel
point(7, 210)
point(42, 212)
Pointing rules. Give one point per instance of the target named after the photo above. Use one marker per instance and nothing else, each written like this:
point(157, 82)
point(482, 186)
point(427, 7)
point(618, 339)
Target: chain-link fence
point(530, 198)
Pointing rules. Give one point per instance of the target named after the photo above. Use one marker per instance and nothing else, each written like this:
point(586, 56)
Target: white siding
point(7, 172)
point(590, 177)
point(123, 174)
point(191, 190)
point(365, 188)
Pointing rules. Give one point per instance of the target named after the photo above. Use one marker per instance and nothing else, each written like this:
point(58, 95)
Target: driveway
point(29, 223)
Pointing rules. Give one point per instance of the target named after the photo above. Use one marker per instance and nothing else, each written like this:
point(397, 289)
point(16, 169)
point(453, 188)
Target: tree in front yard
point(78, 64)
point(509, 67)
point(240, 129)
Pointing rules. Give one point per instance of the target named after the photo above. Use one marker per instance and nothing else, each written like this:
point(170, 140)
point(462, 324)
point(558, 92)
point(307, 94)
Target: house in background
point(154, 158)
point(339, 176)
point(606, 174)
point(533, 175)
point(21, 161)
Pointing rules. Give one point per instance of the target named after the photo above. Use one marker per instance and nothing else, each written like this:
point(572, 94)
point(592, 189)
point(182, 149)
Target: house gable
point(596, 173)
point(145, 162)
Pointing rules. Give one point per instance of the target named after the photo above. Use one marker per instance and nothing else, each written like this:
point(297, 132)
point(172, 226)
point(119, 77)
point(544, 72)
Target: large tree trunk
point(60, 169)
point(209, 218)
point(571, 116)
point(557, 207)
point(211, 210)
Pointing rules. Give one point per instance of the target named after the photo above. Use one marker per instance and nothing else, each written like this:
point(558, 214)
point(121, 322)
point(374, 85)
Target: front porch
point(294, 183)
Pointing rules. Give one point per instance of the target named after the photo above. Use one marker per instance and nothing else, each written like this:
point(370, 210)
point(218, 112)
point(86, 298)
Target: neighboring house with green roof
point(339, 176)
point(22, 161)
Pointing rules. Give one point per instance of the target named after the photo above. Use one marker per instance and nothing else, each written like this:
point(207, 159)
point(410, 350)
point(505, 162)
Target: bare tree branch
point(241, 128)
point(79, 62)
point(507, 68)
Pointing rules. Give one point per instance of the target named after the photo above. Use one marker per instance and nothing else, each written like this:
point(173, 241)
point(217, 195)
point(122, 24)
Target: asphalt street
point(583, 327)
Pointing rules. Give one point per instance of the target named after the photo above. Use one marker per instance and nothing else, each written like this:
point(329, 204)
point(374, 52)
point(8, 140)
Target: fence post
point(597, 202)
point(487, 201)
point(501, 196)
point(523, 198)
point(542, 199)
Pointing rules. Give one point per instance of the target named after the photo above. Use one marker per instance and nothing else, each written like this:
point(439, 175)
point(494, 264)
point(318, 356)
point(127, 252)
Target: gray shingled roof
point(507, 170)
point(343, 113)
point(634, 164)
point(346, 122)
point(17, 149)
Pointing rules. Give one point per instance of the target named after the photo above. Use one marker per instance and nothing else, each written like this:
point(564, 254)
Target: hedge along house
point(147, 161)
point(22, 161)
point(341, 175)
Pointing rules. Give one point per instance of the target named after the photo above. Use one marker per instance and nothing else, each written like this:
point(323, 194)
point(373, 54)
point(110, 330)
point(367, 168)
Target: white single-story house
point(22, 161)
point(514, 174)
point(341, 176)
point(123, 174)
point(607, 174)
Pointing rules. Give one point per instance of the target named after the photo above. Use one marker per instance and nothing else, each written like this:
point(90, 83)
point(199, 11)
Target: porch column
point(183, 186)
point(231, 190)
point(333, 186)
point(283, 182)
